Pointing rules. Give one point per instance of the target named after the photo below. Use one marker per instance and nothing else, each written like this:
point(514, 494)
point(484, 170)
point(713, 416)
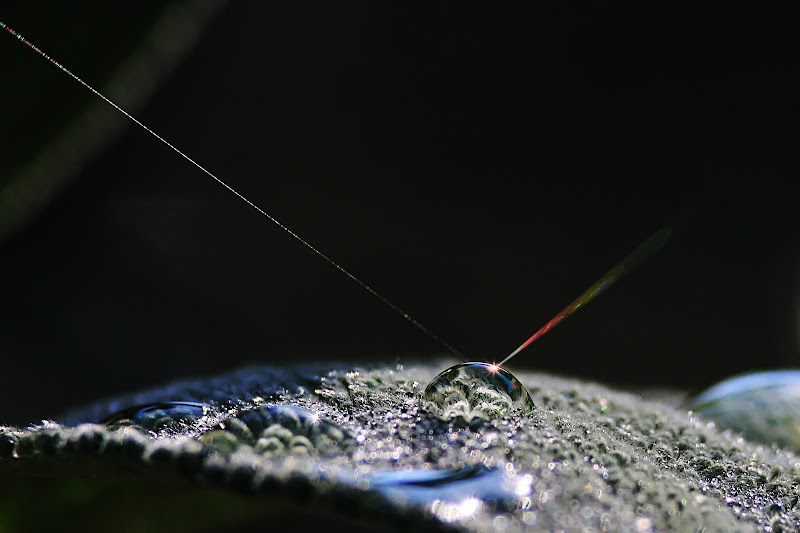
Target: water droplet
point(476, 390)
point(159, 417)
point(278, 430)
point(454, 494)
point(764, 406)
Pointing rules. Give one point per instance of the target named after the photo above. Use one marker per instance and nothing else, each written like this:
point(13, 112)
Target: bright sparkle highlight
point(452, 512)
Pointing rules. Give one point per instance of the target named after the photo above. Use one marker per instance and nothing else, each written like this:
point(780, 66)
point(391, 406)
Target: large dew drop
point(764, 406)
point(476, 390)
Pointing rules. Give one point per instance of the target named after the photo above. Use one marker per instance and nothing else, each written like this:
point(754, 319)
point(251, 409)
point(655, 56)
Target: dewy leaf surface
point(587, 458)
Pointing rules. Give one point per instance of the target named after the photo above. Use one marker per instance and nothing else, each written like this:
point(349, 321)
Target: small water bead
point(159, 417)
point(476, 390)
point(278, 430)
point(764, 406)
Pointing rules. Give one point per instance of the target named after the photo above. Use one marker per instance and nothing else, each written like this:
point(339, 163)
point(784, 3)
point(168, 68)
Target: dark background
point(480, 167)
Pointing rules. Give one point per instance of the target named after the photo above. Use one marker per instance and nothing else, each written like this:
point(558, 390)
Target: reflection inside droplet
point(158, 417)
point(471, 390)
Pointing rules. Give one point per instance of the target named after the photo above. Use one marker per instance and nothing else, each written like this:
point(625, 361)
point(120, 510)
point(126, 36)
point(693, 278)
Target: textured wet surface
point(279, 430)
point(354, 442)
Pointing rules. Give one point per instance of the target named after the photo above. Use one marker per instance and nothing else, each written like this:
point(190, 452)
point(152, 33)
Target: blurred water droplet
point(455, 494)
point(476, 390)
point(158, 417)
point(764, 406)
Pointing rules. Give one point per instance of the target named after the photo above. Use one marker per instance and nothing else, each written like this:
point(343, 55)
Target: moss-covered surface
point(590, 459)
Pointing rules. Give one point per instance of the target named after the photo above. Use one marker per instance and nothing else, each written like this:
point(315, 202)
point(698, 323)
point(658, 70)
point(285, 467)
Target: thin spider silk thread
point(308, 245)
